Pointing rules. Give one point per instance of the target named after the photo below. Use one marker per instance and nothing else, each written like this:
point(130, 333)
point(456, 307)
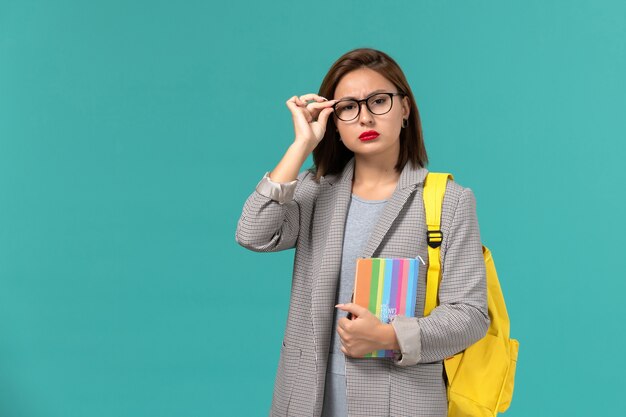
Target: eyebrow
point(369, 94)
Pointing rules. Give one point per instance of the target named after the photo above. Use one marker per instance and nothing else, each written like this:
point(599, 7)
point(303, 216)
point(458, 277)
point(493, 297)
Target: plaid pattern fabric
point(313, 222)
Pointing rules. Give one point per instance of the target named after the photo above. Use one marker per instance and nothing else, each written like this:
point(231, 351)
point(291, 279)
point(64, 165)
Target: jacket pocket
point(418, 390)
point(286, 377)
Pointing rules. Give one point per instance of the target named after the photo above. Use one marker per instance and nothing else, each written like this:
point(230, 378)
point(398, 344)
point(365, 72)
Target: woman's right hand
point(309, 119)
point(309, 122)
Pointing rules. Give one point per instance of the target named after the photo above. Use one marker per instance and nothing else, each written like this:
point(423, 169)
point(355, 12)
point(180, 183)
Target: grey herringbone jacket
point(313, 223)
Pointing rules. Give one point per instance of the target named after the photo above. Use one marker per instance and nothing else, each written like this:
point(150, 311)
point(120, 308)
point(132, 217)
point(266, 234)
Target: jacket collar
point(410, 176)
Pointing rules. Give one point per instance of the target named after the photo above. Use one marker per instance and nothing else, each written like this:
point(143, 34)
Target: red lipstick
point(369, 135)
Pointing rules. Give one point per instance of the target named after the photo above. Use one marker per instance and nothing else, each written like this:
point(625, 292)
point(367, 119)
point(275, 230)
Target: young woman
point(363, 199)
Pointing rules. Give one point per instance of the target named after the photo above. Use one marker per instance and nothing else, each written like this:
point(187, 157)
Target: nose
point(365, 116)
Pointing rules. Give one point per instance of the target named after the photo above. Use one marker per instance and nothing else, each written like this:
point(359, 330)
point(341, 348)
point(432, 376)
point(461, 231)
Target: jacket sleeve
point(461, 318)
point(270, 220)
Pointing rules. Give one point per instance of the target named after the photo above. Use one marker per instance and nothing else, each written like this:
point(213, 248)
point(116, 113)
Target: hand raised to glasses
point(310, 114)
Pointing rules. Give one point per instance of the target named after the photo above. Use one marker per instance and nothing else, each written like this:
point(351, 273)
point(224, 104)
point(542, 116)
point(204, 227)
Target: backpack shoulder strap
point(434, 190)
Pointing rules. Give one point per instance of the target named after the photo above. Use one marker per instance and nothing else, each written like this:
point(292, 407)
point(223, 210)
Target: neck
point(372, 171)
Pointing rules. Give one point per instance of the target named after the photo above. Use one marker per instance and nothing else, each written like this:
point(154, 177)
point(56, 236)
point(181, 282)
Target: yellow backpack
point(480, 378)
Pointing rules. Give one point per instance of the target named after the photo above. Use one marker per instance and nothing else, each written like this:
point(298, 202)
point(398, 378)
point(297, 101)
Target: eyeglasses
point(378, 103)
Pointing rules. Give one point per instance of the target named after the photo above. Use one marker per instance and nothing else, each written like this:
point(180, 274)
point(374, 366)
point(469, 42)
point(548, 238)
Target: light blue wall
point(131, 133)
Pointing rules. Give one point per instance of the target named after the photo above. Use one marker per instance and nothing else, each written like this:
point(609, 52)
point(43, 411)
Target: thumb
point(323, 116)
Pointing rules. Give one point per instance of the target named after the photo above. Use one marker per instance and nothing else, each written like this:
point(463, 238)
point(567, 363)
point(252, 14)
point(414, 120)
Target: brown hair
point(331, 155)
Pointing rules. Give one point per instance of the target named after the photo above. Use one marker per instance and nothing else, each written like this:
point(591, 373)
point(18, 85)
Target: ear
point(406, 107)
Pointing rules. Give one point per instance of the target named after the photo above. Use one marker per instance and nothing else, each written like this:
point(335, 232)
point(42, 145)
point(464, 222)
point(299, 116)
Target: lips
point(369, 135)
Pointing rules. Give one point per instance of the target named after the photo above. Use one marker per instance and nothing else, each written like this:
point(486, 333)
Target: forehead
point(359, 83)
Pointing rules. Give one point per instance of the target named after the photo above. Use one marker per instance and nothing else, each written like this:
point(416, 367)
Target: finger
point(291, 103)
point(320, 105)
point(341, 334)
point(299, 113)
point(353, 308)
point(316, 108)
point(315, 97)
point(295, 101)
point(323, 116)
point(343, 323)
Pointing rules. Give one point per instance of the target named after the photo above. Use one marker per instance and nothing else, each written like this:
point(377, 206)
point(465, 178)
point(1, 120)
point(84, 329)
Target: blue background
point(132, 132)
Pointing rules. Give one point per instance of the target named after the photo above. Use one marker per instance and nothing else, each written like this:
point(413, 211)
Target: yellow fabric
point(432, 280)
point(481, 378)
point(434, 190)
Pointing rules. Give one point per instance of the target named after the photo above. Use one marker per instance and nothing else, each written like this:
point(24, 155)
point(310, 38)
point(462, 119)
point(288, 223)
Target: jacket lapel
point(337, 197)
point(409, 179)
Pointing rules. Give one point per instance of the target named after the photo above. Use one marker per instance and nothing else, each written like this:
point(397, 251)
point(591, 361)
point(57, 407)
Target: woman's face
point(360, 84)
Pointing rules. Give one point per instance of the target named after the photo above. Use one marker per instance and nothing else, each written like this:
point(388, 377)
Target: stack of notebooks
point(387, 287)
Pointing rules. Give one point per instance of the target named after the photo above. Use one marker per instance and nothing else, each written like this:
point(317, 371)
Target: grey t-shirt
point(362, 217)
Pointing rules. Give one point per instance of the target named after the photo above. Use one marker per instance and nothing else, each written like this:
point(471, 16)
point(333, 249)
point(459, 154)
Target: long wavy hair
point(331, 155)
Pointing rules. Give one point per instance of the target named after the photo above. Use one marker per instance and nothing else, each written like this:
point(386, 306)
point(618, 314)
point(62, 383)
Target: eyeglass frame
point(358, 103)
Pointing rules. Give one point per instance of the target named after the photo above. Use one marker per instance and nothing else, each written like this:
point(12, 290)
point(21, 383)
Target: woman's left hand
point(364, 333)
